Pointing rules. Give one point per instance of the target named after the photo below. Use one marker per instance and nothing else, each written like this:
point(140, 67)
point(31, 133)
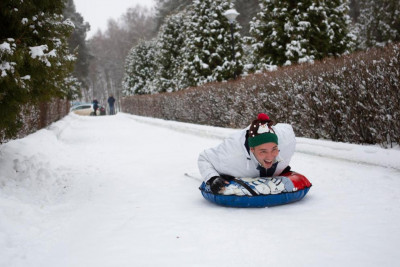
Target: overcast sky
point(98, 12)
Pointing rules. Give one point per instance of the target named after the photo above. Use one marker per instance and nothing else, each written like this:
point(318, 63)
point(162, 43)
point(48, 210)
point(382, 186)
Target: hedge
point(36, 117)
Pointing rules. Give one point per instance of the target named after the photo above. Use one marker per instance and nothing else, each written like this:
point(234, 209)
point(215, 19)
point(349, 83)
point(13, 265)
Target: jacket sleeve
point(207, 159)
point(224, 158)
point(213, 161)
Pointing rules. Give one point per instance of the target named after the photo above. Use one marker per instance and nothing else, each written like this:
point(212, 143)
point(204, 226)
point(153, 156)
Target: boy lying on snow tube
point(253, 152)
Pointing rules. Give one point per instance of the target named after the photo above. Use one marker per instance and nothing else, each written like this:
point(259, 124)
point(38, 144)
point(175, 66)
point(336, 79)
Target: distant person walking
point(95, 106)
point(111, 101)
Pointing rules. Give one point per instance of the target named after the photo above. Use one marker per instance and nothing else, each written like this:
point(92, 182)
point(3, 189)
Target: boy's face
point(266, 154)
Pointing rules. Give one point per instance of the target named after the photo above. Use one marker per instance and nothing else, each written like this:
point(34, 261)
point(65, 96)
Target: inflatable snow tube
point(260, 192)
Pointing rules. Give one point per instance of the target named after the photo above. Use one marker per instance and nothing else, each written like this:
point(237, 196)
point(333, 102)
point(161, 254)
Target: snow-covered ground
point(111, 191)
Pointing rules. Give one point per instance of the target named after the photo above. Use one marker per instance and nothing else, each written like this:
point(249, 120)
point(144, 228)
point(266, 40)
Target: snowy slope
point(373, 155)
point(110, 191)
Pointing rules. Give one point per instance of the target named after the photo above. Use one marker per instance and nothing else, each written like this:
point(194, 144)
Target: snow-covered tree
point(77, 42)
point(378, 23)
point(271, 32)
point(169, 59)
point(35, 62)
point(341, 40)
point(208, 52)
point(166, 8)
point(287, 31)
point(140, 69)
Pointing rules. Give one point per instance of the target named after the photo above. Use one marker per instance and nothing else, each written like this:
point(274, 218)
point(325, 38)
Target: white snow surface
point(111, 191)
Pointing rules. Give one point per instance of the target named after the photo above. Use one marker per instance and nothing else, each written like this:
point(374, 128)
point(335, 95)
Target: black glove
point(287, 169)
point(217, 183)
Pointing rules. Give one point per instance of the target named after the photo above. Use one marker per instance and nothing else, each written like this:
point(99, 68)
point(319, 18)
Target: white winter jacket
point(231, 156)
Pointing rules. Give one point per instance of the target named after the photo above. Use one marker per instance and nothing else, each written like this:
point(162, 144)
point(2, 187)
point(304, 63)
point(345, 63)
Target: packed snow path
point(111, 191)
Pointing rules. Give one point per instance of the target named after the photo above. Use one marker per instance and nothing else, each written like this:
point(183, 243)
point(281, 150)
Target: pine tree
point(378, 23)
point(338, 25)
point(35, 63)
point(77, 43)
point(269, 38)
point(288, 31)
point(167, 8)
point(208, 52)
point(140, 69)
point(169, 59)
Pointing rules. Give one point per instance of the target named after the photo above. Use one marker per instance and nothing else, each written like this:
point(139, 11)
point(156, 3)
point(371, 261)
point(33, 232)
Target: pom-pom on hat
point(260, 131)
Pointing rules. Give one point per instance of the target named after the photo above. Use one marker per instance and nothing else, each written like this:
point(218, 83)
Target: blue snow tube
point(263, 192)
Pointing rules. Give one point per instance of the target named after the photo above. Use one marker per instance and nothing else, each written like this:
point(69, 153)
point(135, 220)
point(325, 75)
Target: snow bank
point(33, 169)
point(26, 171)
point(366, 154)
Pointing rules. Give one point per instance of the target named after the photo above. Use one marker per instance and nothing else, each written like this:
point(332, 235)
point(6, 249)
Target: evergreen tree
point(338, 26)
point(378, 23)
point(169, 45)
point(77, 43)
point(166, 8)
point(208, 52)
point(268, 34)
point(140, 69)
point(35, 63)
point(288, 31)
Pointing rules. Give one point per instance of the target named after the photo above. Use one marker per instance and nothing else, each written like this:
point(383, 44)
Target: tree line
point(193, 42)
point(139, 28)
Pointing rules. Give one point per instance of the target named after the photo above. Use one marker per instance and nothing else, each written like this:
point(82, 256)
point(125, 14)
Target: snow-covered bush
point(35, 117)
